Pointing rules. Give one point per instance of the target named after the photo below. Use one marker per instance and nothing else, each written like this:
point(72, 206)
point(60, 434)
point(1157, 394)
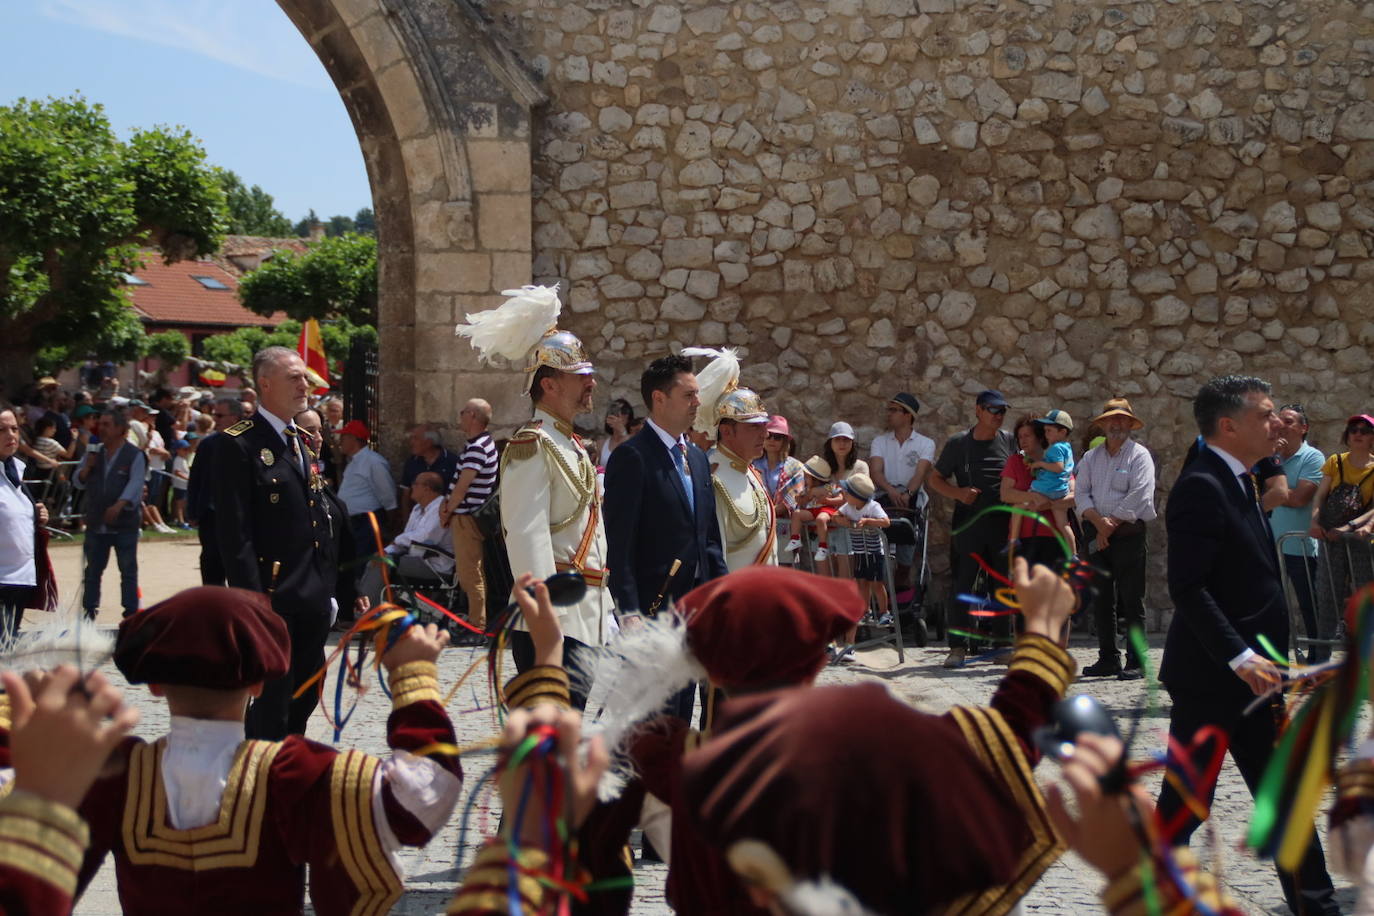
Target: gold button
point(312, 502)
point(317, 545)
point(314, 524)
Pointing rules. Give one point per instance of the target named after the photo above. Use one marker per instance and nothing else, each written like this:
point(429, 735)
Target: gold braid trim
point(5, 711)
point(485, 887)
point(541, 684)
point(749, 525)
point(43, 839)
point(581, 480)
point(355, 832)
point(995, 744)
point(413, 682)
point(1046, 659)
point(1356, 780)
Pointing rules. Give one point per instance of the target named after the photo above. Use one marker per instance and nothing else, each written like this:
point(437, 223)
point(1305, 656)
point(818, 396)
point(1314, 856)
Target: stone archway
point(442, 113)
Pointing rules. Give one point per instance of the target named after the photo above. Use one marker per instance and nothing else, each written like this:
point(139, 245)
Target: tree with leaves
point(335, 278)
point(170, 349)
point(252, 211)
point(237, 347)
point(76, 204)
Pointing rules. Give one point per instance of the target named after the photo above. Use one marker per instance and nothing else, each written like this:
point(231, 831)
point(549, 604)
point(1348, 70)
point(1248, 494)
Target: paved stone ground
point(432, 873)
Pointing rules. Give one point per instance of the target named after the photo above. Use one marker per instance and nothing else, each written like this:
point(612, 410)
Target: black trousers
point(13, 600)
point(1252, 738)
point(1122, 595)
point(577, 661)
point(987, 539)
point(211, 566)
point(274, 715)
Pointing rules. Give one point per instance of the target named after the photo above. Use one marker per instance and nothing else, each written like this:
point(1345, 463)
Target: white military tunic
point(551, 515)
point(743, 510)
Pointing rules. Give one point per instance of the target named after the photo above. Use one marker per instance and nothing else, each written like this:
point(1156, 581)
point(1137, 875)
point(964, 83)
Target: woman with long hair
point(845, 462)
point(620, 416)
point(1343, 522)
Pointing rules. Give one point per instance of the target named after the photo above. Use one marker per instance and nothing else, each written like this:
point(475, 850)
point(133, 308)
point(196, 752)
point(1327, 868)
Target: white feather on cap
point(720, 375)
point(644, 667)
point(514, 328)
point(60, 641)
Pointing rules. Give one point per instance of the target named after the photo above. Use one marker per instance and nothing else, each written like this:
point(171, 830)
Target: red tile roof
point(170, 295)
point(241, 254)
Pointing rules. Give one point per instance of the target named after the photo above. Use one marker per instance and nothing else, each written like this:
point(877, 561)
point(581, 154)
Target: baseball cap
point(356, 428)
point(1056, 418)
point(991, 398)
point(840, 428)
point(778, 424)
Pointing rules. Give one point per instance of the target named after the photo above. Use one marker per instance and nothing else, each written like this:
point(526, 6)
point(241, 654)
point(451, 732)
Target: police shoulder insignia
point(239, 428)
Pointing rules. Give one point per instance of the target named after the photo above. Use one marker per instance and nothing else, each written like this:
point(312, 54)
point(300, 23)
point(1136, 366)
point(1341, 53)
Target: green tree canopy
point(366, 221)
point(335, 278)
point(252, 211)
point(75, 205)
point(238, 347)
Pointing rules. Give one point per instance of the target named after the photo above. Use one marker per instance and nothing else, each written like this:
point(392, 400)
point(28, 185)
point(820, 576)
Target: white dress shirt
point(424, 527)
point(367, 485)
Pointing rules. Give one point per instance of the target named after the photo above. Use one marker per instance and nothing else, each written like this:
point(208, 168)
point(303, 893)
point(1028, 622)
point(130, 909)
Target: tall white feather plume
point(719, 376)
point(60, 641)
point(644, 668)
point(514, 328)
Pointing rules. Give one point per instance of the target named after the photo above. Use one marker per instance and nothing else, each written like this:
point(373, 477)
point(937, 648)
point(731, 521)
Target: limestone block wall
point(1064, 200)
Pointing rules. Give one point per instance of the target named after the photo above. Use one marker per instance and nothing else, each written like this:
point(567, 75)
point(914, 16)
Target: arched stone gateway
point(442, 112)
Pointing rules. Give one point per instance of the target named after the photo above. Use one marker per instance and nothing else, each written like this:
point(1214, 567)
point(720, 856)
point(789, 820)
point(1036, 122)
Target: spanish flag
point(311, 349)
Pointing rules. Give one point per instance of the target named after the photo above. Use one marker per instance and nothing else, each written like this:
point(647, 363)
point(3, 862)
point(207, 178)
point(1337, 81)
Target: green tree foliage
point(169, 348)
point(252, 211)
point(75, 205)
point(339, 225)
point(335, 278)
point(366, 221)
point(302, 228)
point(238, 347)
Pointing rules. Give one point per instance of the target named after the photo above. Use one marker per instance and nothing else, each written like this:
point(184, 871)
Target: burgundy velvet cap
point(767, 626)
point(212, 637)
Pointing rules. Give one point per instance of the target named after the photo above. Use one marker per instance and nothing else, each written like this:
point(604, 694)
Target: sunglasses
point(997, 411)
point(1360, 430)
point(776, 436)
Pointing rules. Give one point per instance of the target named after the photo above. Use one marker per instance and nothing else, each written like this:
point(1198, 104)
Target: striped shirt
point(479, 456)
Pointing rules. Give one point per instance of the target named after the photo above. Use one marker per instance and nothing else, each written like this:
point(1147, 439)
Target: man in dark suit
point(659, 505)
point(277, 532)
point(1225, 585)
point(200, 497)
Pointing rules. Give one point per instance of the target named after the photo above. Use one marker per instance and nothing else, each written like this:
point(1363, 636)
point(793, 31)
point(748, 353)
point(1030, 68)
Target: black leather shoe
point(1130, 674)
point(1103, 667)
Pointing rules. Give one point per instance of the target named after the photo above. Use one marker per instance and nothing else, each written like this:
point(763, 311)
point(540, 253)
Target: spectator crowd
point(691, 504)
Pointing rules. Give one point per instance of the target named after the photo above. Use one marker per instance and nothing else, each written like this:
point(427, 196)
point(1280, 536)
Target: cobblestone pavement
point(433, 873)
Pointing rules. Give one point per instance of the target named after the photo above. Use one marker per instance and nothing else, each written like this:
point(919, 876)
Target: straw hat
point(1119, 407)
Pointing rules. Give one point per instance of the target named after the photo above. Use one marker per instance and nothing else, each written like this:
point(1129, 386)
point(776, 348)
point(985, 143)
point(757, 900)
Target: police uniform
point(277, 529)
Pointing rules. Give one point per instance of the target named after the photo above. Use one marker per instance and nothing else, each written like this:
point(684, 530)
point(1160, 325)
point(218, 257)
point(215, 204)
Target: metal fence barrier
point(1319, 586)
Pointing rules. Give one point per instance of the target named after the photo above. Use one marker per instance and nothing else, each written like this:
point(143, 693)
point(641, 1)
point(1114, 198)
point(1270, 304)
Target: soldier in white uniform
point(550, 504)
point(736, 419)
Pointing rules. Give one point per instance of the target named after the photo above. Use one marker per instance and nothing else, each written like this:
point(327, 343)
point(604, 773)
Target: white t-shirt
point(901, 458)
point(865, 539)
point(180, 466)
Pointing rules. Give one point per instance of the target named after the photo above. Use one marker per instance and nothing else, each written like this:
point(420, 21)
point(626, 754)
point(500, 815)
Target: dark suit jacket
point(276, 534)
point(200, 488)
point(1223, 579)
point(649, 523)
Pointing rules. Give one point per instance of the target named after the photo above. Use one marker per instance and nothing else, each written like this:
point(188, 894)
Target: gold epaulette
point(541, 684)
point(1046, 659)
point(1124, 895)
point(1356, 780)
point(5, 711)
point(239, 428)
point(524, 444)
point(413, 682)
point(43, 839)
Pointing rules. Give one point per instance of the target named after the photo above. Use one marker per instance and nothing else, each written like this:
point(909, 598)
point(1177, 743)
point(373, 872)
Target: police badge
point(266, 456)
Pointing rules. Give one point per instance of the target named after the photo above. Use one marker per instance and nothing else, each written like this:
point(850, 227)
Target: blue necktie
point(12, 472)
point(680, 459)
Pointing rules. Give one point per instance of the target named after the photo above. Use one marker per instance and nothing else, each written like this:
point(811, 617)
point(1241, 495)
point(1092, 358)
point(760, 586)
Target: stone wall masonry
point(1064, 200)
